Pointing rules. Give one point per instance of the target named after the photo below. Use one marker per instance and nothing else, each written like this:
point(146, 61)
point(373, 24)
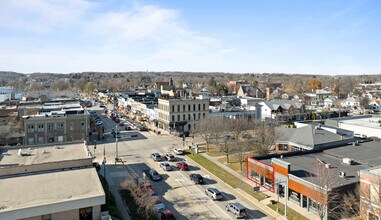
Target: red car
point(182, 166)
point(166, 215)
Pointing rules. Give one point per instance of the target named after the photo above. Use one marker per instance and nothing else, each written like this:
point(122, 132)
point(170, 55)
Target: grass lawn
point(224, 175)
point(234, 163)
point(291, 214)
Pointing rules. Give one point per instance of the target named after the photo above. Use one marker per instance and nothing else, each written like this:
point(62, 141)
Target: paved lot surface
point(181, 195)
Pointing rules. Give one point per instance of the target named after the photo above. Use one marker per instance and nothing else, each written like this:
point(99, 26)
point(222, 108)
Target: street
point(180, 195)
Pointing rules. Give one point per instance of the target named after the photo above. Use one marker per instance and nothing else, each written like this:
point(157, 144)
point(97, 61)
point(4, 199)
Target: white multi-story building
point(176, 113)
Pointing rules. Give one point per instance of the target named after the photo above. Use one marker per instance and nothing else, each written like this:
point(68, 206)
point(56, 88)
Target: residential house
point(250, 91)
point(283, 110)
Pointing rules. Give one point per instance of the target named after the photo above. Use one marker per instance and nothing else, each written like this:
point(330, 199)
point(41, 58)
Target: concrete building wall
point(370, 195)
point(51, 129)
point(69, 215)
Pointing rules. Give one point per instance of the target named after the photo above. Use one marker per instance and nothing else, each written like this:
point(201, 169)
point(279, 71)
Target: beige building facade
point(173, 114)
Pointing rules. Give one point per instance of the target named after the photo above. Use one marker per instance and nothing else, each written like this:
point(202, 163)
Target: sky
point(237, 36)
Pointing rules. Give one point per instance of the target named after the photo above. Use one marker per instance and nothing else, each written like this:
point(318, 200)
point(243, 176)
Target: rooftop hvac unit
point(342, 174)
point(327, 165)
point(347, 161)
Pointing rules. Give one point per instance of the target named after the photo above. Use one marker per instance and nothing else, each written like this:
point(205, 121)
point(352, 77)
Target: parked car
point(178, 151)
point(166, 166)
point(154, 175)
point(170, 157)
point(127, 128)
point(214, 193)
point(159, 205)
point(197, 178)
point(121, 124)
point(182, 166)
point(237, 209)
point(146, 185)
point(156, 157)
point(166, 215)
point(185, 133)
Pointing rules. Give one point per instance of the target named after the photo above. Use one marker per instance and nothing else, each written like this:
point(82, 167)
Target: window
point(60, 126)
point(86, 213)
point(50, 127)
point(199, 116)
point(194, 116)
point(194, 107)
point(30, 128)
point(41, 140)
point(71, 126)
point(178, 108)
point(189, 107)
point(183, 108)
point(189, 117)
point(203, 115)
point(173, 108)
point(183, 117)
point(189, 127)
point(203, 107)
point(199, 107)
point(51, 139)
point(40, 128)
point(283, 147)
point(178, 117)
point(30, 140)
point(173, 118)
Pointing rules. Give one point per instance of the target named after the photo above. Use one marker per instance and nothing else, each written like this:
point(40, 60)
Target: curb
point(256, 203)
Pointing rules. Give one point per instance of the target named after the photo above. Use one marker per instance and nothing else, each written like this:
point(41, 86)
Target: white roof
point(35, 195)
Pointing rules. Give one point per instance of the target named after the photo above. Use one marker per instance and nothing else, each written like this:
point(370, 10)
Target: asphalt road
point(181, 195)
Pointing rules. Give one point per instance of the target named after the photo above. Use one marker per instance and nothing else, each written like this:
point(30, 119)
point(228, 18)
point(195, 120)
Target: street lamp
point(116, 144)
point(278, 182)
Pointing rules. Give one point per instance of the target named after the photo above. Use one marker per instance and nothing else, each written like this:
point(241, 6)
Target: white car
point(166, 166)
point(178, 151)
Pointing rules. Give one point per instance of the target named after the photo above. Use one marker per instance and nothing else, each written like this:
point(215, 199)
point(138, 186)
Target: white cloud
point(41, 16)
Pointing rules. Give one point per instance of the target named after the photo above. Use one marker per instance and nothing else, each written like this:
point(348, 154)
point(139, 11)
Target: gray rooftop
point(49, 189)
point(309, 136)
point(365, 155)
point(38, 155)
point(285, 104)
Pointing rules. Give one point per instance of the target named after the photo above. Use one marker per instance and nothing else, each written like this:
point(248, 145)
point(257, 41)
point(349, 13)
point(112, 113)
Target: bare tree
point(327, 198)
point(142, 196)
point(350, 206)
point(265, 137)
point(370, 198)
point(208, 130)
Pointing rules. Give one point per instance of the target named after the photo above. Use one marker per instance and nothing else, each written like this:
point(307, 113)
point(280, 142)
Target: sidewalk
point(114, 188)
point(271, 196)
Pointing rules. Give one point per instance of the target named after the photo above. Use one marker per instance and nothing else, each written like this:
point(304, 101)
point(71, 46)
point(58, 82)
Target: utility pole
point(116, 144)
point(104, 161)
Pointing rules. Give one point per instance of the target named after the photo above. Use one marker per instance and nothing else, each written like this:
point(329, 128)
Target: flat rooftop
point(371, 122)
point(366, 155)
point(49, 189)
point(38, 155)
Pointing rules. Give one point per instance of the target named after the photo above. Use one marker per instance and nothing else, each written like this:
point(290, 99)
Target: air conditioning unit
point(347, 161)
point(327, 165)
point(342, 174)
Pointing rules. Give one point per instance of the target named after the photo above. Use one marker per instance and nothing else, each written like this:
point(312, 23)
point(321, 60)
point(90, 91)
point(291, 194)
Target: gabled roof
point(285, 104)
point(309, 136)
